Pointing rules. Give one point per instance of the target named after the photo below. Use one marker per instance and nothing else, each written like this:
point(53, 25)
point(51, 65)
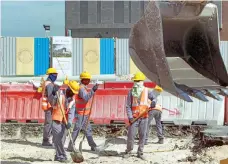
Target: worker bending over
point(137, 102)
point(83, 107)
point(67, 101)
point(48, 100)
point(155, 112)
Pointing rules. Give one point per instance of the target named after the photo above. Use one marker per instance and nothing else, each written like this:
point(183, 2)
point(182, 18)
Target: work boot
point(96, 149)
point(62, 160)
point(127, 154)
point(47, 144)
point(141, 156)
point(160, 141)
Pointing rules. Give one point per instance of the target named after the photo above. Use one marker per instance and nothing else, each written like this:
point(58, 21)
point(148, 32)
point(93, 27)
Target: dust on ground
point(176, 150)
point(21, 144)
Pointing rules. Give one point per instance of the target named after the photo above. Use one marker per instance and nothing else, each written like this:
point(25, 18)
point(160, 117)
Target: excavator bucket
point(176, 45)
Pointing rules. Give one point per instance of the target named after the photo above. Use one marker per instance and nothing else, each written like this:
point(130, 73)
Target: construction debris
point(21, 143)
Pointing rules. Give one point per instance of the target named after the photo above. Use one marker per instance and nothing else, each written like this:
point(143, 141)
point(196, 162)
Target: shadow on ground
point(13, 162)
point(25, 142)
point(28, 159)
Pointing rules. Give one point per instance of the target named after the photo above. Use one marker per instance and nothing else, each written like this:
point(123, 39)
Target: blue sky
point(26, 18)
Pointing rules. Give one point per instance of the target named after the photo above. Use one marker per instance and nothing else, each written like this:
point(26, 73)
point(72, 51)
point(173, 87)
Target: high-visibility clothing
point(139, 106)
point(57, 113)
point(45, 104)
point(157, 107)
point(82, 107)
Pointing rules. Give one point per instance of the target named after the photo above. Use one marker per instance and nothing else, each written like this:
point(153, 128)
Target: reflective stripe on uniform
point(45, 104)
point(142, 105)
point(82, 107)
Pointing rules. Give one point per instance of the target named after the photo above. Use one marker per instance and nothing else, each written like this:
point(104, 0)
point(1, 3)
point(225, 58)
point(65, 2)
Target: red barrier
point(109, 106)
point(22, 103)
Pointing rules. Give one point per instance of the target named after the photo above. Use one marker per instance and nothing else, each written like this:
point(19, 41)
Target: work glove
point(55, 89)
point(153, 104)
point(95, 87)
point(68, 125)
point(131, 120)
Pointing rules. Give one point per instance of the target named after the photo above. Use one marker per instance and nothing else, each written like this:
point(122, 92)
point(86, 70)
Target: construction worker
point(67, 101)
point(48, 100)
point(83, 107)
point(155, 112)
point(138, 100)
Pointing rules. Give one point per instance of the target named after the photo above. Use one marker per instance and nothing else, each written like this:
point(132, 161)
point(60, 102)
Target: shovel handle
point(64, 118)
point(134, 120)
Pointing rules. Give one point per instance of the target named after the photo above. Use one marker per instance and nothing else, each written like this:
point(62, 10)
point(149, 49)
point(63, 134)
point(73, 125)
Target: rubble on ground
point(21, 143)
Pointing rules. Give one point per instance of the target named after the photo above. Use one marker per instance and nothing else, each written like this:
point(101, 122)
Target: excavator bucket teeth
point(177, 43)
point(223, 92)
point(213, 94)
point(193, 92)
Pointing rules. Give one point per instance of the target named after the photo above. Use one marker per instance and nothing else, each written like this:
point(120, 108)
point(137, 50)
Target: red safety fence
point(22, 103)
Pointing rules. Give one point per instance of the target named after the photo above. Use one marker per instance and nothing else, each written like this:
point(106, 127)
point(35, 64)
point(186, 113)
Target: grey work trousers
point(80, 124)
point(141, 124)
point(47, 130)
point(59, 137)
point(155, 114)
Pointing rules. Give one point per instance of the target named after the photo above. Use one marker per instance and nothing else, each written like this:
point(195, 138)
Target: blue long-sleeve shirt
point(151, 96)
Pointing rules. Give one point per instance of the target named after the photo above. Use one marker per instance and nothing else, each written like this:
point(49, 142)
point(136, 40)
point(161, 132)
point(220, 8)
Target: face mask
point(138, 84)
point(53, 77)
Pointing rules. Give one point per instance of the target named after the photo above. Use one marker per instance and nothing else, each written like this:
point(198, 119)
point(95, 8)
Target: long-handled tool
point(111, 140)
point(87, 122)
point(75, 155)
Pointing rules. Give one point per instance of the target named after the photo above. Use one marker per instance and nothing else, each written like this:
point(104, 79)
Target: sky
point(26, 18)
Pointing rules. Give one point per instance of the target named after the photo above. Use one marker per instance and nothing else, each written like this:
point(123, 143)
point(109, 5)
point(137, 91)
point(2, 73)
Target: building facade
point(112, 18)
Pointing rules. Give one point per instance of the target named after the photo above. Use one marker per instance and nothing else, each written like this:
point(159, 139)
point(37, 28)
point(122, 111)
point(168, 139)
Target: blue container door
point(41, 56)
point(107, 56)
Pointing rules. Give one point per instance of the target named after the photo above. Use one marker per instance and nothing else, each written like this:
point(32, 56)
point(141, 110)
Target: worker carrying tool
point(83, 108)
point(155, 112)
point(138, 100)
point(66, 106)
point(48, 100)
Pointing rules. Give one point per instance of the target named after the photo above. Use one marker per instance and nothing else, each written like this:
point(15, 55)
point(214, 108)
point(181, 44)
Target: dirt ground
point(25, 151)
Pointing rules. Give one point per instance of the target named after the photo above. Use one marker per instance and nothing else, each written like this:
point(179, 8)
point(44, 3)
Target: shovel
point(75, 155)
point(87, 122)
point(111, 140)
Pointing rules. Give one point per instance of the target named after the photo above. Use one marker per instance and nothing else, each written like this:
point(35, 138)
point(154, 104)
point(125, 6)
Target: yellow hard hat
point(66, 81)
point(51, 70)
point(74, 86)
point(157, 88)
point(139, 76)
point(85, 75)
